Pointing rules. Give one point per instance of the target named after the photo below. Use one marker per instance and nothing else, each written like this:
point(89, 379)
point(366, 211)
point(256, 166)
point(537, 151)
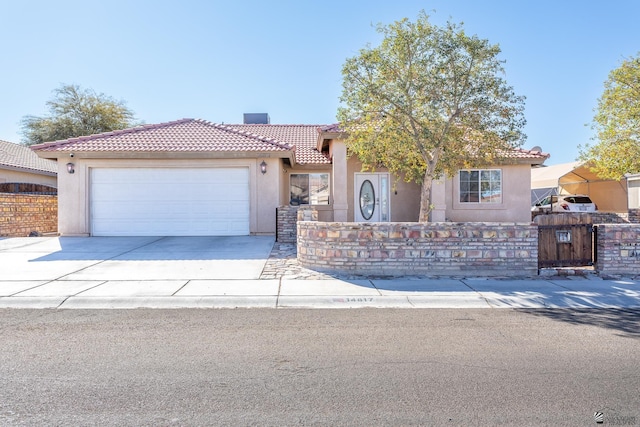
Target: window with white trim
point(480, 186)
point(309, 189)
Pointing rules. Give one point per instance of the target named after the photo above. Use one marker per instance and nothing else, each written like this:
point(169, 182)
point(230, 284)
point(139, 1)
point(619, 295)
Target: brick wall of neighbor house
point(618, 249)
point(395, 249)
point(23, 214)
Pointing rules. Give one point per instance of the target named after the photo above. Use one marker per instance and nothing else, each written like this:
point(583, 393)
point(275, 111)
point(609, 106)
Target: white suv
point(565, 203)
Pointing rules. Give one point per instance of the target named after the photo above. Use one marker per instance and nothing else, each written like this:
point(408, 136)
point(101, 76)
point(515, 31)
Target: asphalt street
point(269, 367)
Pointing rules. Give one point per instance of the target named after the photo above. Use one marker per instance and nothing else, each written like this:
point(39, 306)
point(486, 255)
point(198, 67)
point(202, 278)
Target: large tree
point(73, 112)
point(617, 124)
point(427, 102)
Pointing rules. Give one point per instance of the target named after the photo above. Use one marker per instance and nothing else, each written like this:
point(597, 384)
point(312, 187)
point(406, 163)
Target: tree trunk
point(425, 197)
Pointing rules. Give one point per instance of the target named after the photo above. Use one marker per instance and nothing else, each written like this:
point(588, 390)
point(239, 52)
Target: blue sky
point(216, 60)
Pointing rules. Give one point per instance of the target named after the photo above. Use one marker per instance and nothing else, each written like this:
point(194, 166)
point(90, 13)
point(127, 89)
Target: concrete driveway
point(133, 258)
point(224, 272)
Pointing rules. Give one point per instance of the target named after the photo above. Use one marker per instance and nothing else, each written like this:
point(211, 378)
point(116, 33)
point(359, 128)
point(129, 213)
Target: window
point(481, 186)
point(309, 189)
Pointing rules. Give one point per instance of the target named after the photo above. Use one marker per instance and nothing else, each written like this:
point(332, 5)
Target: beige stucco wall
point(404, 198)
point(74, 189)
point(516, 199)
point(7, 175)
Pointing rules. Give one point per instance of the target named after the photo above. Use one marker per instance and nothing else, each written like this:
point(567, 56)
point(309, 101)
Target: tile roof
point(195, 135)
point(303, 137)
point(517, 154)
point(523, 154)
point(335, 127)
point(15, 156)
point(186, 135)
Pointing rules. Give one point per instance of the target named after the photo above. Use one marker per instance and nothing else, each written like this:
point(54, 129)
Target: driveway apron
point(99, 259)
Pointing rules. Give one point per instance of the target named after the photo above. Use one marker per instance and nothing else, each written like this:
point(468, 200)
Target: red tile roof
point(303, 137)
point(513, 154)
point(194, 135)
point(186, 135)
point(523, 154)
point(18, 157)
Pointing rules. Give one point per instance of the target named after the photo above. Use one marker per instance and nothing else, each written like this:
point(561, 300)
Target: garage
point(169, 201)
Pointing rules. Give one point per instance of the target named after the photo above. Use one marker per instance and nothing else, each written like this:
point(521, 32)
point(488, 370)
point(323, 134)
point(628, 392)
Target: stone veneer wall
point(286, 219)
point(397, 249)
point(634, 216)
point(618, 249)
point(609, 218)
point(23, 214)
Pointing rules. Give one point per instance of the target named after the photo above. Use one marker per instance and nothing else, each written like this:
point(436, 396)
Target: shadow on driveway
point(133, 258)
point(158, 248)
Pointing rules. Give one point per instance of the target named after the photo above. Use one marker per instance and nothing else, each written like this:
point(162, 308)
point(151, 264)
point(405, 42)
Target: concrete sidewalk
point(326, 293)
point(113, 273)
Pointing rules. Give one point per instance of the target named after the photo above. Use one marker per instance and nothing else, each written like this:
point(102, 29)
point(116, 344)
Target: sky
point(215, 60)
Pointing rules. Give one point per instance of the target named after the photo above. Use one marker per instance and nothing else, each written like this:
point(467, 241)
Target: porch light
point(71, 168)
point(263, 167)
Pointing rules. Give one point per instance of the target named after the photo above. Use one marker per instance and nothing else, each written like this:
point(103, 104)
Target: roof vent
point(256, 119)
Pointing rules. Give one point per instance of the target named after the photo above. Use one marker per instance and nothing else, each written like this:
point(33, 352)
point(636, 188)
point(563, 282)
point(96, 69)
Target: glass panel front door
point(367, 200)
point(371, 193)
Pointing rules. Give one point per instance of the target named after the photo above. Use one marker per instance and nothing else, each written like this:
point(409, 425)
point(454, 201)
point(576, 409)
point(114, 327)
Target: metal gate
point(565, 240)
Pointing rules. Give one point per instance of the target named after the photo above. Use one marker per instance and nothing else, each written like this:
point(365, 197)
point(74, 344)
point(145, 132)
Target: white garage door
point(170, 202)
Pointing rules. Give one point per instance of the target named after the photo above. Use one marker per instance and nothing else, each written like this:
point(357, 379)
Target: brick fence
point(398, 249)
point(618, 249)
point(24, 214)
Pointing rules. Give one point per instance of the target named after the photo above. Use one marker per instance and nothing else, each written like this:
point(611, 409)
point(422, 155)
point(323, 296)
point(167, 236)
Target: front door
point(371, 197)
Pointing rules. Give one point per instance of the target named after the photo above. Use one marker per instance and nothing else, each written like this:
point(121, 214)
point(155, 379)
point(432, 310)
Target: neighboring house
point(193, 177)
point(633, 190)
point(577, 178)
point(20, 165)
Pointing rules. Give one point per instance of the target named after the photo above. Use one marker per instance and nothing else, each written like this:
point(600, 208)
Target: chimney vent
point(256, 119)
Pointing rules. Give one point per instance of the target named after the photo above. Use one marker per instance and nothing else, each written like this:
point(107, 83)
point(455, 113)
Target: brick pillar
point(287, 218)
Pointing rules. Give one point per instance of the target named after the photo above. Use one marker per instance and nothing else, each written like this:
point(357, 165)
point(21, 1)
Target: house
point(576, 178)
point(19, 165)
point(194, 177)
point(633, 191)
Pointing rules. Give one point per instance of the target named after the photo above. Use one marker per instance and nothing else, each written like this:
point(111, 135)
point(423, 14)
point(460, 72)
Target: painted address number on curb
point(353, 299)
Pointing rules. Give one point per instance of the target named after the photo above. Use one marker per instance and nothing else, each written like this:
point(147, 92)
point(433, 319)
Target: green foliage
point(617, 124)
point(73, 112)
point(427, 102)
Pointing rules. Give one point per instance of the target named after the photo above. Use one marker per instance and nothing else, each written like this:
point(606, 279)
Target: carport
point(577, 178)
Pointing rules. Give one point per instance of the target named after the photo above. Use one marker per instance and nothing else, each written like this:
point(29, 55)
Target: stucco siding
point(515, 205)
point(404, 197)
point(7, 175)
